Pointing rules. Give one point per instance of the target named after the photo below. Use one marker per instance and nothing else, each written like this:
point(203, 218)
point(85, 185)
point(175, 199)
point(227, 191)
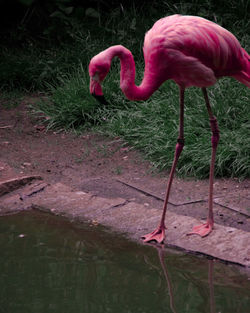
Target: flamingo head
point(98, 70)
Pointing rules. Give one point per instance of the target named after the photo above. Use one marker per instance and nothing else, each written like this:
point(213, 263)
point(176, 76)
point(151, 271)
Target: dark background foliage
point(21, 20)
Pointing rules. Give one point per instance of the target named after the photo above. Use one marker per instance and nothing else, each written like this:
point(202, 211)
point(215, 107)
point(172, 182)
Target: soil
point(107, 167)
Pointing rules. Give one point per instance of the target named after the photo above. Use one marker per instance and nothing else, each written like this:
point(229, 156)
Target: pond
point(51, 265)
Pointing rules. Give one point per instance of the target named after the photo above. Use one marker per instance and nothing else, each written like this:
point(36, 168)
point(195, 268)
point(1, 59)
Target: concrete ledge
point(225, 243)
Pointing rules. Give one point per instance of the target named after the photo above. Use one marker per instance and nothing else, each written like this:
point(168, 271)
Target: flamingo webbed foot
point(202, 230)
point(158, 235)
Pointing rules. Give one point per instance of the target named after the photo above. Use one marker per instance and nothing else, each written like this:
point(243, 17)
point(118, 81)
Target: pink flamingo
point(192, 51)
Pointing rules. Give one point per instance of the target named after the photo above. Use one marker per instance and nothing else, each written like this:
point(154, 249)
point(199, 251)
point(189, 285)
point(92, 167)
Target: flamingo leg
point(159, 233)
point(206, 228)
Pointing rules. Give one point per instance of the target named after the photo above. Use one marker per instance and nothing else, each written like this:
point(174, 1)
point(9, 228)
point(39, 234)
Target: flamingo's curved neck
point(149, 83)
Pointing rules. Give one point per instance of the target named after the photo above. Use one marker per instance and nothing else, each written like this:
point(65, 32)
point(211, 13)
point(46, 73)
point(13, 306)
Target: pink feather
point(190, 50)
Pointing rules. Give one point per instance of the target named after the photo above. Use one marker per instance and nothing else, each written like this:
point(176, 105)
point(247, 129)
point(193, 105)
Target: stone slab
point(19, 200)
point(60, 199)
point(186, 192)
point(225, 243)
point(237, 201)
point(180, 195)
point(10, 185)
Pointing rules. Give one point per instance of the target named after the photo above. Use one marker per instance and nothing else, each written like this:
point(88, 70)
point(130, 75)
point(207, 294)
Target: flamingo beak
point(96, 89)
point(100, 99)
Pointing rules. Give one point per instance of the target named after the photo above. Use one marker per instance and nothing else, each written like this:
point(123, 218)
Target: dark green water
point(49, 265)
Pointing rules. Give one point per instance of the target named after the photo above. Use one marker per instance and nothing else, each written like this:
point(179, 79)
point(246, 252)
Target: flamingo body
point(197, 51)
point(192, 51)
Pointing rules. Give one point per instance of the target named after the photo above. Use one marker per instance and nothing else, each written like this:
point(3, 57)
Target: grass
point(70, 104)
point(150, 126)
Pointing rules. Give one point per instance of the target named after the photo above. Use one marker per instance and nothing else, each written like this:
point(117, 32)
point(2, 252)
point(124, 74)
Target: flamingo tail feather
point(244, 75)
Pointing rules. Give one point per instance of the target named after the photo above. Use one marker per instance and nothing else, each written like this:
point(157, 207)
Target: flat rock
point(237, 201)
point(60, 199)
point(19, 200)
point(180, 194)
point(185, 191)
point(7, 186)
point(225, 243)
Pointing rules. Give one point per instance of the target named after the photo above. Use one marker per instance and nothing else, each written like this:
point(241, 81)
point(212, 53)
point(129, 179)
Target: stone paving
point(130, 217)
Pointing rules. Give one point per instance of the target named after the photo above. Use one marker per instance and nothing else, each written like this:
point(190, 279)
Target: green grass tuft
point(152, 127)
point(70, 104)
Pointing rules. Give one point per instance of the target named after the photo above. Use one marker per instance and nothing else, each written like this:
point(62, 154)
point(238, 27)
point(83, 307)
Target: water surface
point(50, 265)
